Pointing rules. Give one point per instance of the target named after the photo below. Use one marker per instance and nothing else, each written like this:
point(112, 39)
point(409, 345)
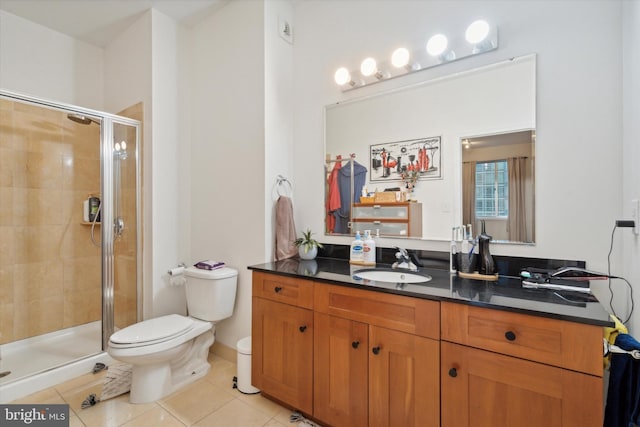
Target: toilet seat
point(152, 331)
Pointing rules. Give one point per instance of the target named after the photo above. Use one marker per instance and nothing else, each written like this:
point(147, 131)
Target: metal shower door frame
point(108, 121)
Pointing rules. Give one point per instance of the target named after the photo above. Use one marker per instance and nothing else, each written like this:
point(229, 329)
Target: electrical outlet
point(635, 215)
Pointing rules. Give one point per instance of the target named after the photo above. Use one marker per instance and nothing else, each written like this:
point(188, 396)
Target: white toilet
point(171, 351)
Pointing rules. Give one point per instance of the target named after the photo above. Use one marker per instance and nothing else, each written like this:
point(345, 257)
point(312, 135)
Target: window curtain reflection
point(517, 199)
point(469, 193)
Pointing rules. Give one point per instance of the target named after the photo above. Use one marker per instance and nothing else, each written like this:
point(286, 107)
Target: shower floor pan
point(25, 358)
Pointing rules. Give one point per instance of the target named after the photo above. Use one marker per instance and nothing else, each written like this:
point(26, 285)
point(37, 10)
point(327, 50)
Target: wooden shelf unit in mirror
point(398, 219)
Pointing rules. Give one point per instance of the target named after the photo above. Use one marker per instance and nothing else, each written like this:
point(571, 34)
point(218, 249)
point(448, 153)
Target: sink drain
point(4, 374)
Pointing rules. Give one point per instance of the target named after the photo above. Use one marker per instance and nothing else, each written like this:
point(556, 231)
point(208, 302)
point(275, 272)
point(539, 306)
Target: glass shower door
point(122, 299)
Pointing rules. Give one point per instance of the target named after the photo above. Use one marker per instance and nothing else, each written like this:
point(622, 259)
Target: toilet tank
point(211, 294)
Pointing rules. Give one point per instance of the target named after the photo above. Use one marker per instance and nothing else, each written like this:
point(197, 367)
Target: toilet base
point(152, 382)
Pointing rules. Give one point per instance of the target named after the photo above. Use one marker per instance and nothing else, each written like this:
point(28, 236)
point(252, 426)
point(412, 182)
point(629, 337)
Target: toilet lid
point(153, 330)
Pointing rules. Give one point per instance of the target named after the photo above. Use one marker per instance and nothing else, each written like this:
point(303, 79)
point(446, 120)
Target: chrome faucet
point(404, 260)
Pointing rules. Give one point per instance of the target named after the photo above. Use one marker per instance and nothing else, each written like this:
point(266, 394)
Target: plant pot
point(310, 254)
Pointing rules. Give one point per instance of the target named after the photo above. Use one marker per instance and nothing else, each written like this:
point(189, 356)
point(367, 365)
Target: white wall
point(579, 109)
point(278, 108)
point(228, 149)
point(170, 161)
point(631, 159)
point(40, 62)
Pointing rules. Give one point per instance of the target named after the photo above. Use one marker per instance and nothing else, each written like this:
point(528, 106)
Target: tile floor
point(208, 402)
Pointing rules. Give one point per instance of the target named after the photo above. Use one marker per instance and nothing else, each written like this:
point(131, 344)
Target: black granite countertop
point(506, 293)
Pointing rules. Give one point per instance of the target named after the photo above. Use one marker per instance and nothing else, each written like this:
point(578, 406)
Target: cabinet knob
point(302, 328)
point(355, 344)
point(277, 289)
point(510, 335)
point(376, 350)
point(453, 372)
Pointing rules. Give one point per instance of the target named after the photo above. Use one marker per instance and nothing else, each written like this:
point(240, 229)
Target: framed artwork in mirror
point(389, 160)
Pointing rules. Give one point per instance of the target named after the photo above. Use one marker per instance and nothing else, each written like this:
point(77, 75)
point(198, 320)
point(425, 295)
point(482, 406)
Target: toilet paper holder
point(177, 270)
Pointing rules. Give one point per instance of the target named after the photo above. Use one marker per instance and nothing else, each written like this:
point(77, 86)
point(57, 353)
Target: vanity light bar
point(479, 37)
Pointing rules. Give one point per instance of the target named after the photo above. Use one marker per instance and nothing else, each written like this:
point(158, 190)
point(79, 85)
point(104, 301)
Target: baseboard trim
point(224, 351)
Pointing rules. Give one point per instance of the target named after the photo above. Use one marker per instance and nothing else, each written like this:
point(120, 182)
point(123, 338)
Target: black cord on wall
point(615, 277)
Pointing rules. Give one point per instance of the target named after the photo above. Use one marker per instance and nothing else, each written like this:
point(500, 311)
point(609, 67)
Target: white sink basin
point(392, 276)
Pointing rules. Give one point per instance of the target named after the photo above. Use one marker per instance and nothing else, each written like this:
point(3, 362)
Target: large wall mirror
point(421, 130)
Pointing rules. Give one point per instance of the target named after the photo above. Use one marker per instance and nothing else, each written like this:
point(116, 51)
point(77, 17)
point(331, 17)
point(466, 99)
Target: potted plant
point(307, 246)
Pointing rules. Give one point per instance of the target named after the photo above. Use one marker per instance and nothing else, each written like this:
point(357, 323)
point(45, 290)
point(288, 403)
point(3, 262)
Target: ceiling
point(99, 21)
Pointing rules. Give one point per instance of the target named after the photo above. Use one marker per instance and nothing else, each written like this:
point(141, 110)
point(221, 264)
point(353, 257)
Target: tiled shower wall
point(50, 272)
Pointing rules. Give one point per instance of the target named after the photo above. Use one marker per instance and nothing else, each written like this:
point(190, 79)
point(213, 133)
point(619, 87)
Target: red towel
point(333, 198)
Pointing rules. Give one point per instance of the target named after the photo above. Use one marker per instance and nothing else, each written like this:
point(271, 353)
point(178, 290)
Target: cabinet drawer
point(380, 212)
point(413, 315)
point(555, 342)
point(283, 289)
point(383, 228)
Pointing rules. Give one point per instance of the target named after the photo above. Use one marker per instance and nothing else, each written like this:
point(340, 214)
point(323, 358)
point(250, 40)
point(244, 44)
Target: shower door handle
point(118, 226)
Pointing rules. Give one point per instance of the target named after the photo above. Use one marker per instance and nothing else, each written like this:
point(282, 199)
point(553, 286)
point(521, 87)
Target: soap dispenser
point(486, 263)
point(357, 250)
point(369, 246)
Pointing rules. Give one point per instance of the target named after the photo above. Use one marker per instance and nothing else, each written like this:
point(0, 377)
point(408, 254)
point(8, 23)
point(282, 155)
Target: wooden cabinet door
point(340, 371)
point(404, 385)
point(486, 389)
point(282, 352)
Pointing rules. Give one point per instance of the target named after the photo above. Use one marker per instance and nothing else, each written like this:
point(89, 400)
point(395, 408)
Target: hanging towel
point(285, 229)
point(623, 395)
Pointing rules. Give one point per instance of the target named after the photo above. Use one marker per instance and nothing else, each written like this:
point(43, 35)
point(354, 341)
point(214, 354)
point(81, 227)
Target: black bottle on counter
point(486, 265)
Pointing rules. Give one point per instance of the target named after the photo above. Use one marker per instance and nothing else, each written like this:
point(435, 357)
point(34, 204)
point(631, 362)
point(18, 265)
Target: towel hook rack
point(281, 180)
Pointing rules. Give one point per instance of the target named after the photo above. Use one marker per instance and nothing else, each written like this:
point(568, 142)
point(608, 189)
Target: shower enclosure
point(66, 281)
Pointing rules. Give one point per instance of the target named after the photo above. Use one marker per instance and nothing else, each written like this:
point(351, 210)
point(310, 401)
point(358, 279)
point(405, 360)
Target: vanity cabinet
point(377, 358)
point(507, 369)
point(388, 219)
point(282, 339)
point(356, 357)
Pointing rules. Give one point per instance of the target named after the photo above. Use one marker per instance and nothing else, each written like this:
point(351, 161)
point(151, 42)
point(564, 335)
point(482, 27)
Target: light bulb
point(342, 76)
point(123, 145)
point(117, 146)
point(437, 45)
point(368, 67)
point(400, 57)
point(477, 31)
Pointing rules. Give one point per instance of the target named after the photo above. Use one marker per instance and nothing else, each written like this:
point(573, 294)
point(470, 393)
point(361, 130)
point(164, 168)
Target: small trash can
point(244, 367)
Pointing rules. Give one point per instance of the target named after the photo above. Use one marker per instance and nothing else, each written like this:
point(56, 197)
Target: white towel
point(285, 229)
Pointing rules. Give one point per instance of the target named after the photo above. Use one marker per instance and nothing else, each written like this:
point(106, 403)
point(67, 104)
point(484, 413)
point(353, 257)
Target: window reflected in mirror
point(498, 184)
